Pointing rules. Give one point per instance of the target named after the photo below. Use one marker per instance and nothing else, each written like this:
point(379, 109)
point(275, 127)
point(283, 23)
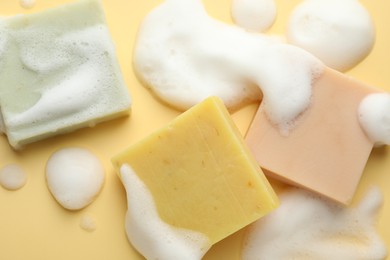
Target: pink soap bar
point(327, 149)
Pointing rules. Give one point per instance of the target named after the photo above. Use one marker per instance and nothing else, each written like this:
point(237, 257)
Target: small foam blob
point(309, 227)
point(12, 177)
point(150, 235)
point(340, 33)
point(75, 177)
point(185, 56)
point(27, 4)
point(374, 117)
point(254, 15)
point(88, 223)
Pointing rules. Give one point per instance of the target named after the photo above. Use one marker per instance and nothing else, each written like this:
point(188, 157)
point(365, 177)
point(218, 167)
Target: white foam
point(340, 33)
point(308, 227)
point(255, 15)
point(12, 177)
point(68, 97)
point(35, 54)
point(75, 177)
point(151, 236)
point(185, 56)
point(374, 117)
point(27, 4)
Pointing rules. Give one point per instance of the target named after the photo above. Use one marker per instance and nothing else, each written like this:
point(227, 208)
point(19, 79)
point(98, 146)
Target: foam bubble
point(374, 117)
point(27, 4)
point(152, 237)
point(255, 15)
point(308, 227)
point(340, 33)
point(75, 177)
point(12, 177)
point(184, 56)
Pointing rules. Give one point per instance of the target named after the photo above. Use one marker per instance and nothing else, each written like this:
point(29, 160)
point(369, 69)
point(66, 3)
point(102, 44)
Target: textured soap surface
point(327, 150)
point(201, 174)
point(58, 72)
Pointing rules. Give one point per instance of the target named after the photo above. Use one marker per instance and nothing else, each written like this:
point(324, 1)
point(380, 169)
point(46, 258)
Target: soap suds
point(374, 117)
point(77, 94)
point(75, 177)
point(88, 223)
point(152, 237)
point(12, 177)
point(254, 15)
point(340, 33)
point(308, 227)
point(27, 4)
point(185, 56)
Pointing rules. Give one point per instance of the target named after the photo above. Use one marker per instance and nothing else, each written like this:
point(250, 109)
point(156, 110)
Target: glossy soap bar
point(327, 149)
point(201, 173)
point(58, 72)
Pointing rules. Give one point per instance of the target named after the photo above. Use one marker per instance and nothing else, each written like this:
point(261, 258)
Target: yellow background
point(34, 226)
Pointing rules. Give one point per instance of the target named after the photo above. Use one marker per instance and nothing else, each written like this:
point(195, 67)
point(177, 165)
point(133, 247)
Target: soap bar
point(58, 72)
point(327, 150)
point(201, 173)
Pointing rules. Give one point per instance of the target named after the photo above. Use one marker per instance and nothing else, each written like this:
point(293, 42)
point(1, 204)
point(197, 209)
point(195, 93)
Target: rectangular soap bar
point(201, 173)
point(327, 150)
point(58, 72)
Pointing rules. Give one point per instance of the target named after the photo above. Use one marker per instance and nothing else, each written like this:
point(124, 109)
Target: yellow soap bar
point(201, 173)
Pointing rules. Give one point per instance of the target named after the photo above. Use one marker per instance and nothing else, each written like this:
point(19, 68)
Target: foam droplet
point(255, 15)
point(340, 33)
point(12, 177)
point(75, 177)
point(374, 117)
point(27, 4)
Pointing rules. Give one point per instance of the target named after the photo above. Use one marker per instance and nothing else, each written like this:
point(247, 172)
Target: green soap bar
point(58, 72)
